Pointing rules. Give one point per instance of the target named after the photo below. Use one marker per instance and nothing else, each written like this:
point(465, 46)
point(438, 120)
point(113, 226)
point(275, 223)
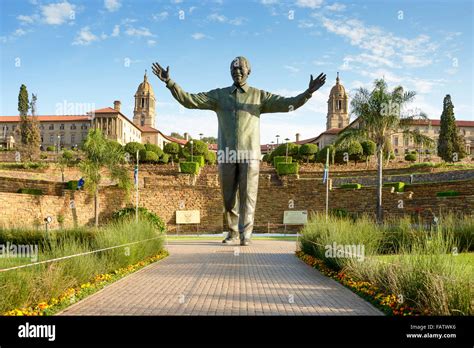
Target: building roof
point(337, 88)
point(144, 87)
point(331, 131)
point(460, 123)
point(107, 110)
point(174, 140)
point(148, 129)
point(49, 118)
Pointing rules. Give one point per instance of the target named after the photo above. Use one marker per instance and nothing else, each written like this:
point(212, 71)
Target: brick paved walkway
point(209, 278)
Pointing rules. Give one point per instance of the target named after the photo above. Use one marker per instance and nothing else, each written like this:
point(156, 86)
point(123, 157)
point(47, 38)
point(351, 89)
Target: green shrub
point(339, 212)
point(308, 151)
point(399, 186)
point(128, 213)
point(72, 185)
point(199, 148)
point(198, 159)
point(278, 159)
point(189, 167)
point(132, 149)
point(410, 157)
point(287, 168)
point(447, 194)
point(164, 158)
point(154, 148)
point(351, 186)
point(210, 157)
point(50, 148)
point(171, 149)
point(148, 156)
point(43, 156)
point(30, 191)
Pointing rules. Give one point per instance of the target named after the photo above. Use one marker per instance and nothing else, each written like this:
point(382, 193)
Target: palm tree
point(101, 153)
point(381, 114)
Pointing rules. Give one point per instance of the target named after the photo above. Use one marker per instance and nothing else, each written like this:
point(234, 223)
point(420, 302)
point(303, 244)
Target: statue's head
point(240, 70)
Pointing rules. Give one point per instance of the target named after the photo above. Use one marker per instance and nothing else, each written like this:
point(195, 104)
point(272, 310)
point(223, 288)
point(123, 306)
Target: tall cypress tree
point(29, 128)
point(451, 145)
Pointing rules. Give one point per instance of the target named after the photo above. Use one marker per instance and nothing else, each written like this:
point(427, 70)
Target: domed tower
point(338, 116)
point(144, 111)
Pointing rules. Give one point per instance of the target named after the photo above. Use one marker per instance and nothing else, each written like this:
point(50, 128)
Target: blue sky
point(76, 55)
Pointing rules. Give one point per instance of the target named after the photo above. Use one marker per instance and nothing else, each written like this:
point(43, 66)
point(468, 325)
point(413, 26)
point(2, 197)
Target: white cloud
point(199, 36)
point(85, 37)
point(160, 16)
point(215, 17)
point(151, 42)
point(142, 32)
point(336, 7)
point(27, 19)
point(112, 5)
point(269, 2)
point(116, 31)
point(305, 24)
point(415, 61)
point(291, 68)
point(313, 4)
point(19, 32)
point(58, 13)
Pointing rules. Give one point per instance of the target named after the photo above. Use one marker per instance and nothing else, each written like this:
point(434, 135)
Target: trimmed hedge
point(72, 185)
point(410, 157)
point(198, 159)
point(447, 194)
point(351, 186)
point(279, 159)
point(31, 191)
point(399, 186)
point(287, 168)
point(189, 167)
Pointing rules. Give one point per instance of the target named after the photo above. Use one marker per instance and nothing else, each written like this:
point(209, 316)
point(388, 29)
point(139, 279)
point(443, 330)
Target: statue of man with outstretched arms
point(238, 110)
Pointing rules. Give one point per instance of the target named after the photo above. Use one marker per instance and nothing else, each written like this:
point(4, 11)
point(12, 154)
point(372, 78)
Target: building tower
point(144, 111)
point(338, 116)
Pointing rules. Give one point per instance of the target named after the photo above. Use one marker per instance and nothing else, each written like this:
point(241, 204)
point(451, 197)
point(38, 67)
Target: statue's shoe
point(245, 242)
point(228, 241)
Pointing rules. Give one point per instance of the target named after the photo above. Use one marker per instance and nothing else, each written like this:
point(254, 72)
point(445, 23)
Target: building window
point(405, 140)
point(42, 127)
point(143, 102)
point(61, 127)
point(14, 127)
point(73, 126)
point(73, 139)
point(395, 141)
point(51, 127)
point(84, 126)
point(51, 139)
point(142, 122)
point(339, 105)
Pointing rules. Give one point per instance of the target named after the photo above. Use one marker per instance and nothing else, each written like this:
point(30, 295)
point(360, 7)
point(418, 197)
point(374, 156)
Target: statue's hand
point(316, 84)
point(163, 75)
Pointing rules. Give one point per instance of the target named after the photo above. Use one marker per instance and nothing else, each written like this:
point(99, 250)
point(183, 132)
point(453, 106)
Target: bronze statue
point(238, 110)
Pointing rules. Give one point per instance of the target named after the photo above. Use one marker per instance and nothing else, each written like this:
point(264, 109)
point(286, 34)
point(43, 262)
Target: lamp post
point(59, 143)
point(286, 158)
point(200, 136)
point(277, 136)
point(191, 150)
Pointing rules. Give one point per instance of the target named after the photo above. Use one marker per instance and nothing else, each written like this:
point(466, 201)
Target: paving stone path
point(210, 278)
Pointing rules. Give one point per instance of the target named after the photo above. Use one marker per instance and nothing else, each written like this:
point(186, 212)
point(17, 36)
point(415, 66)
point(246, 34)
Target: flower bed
point(73, 295)
point(388, 303)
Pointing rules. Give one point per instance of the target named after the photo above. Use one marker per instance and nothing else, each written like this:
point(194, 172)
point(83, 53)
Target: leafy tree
point(199, 148)
point(132, 148)
point(101, 153)
point(380, 116)
point(307, 151)
point(172, 149)
point(450, 142)
point(210, 140)
point(280, 150)
point(210, 157)
point(368, 147)
point(148, 156)
point(154, 148)
point(176, 135)
point(29, 127)
point(321, 155)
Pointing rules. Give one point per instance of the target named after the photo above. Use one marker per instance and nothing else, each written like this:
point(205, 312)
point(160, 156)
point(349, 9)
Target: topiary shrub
point(154, 148)
point(189, 167)
point(143, 213)
point(132, 149)
point(399, 186)
point(410, 157)
point(447, 194)
point(51, 148)
point(351, 186)
point(287, 168)
point(30, 191)
point(278, 159)
point(308, 151)
point(72, 185)
point(148, 156)
point(164, 158)
point(198, 159)
point(210, 157)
